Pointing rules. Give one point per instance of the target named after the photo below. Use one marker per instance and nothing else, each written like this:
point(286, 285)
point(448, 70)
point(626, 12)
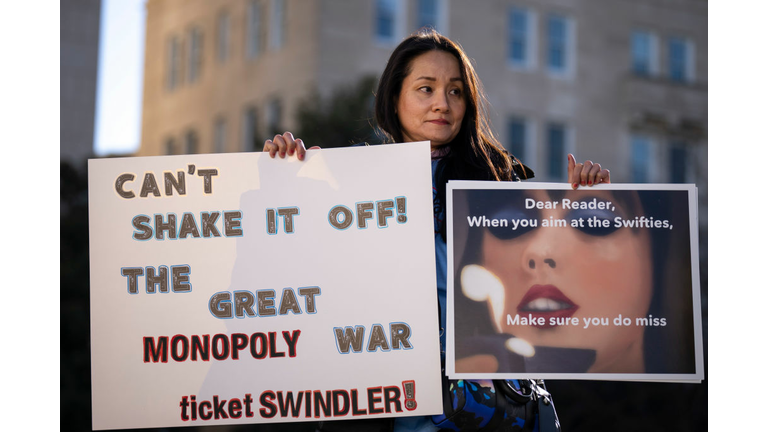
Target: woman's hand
point(586, 174)
point(285, 144)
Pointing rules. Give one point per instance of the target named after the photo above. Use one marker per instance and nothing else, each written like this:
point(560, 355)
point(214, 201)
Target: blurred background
point(621, 82)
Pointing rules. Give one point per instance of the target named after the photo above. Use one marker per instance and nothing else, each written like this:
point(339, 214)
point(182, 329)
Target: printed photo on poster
point(596, 283)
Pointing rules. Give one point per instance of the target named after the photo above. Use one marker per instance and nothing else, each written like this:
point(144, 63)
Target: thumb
point(571, 164)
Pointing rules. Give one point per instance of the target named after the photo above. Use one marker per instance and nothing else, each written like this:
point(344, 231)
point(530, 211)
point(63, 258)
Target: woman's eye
point(512, 223)
point(508, 232)
point(595, 224)
point(425, 89)
point(456, 92)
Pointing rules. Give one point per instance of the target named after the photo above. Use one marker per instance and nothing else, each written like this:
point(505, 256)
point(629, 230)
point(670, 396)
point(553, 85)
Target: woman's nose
point(540, 254)
point(548, 261)
point(440, 102)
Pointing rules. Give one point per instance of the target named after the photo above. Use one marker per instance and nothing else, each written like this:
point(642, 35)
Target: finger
point(571, 165)
point(575, 177)
point(585, 170)
point(270, 147)
point(279, 141)
point(301, 150)
point(290, 143)
point(592, 178)
point(604, 176)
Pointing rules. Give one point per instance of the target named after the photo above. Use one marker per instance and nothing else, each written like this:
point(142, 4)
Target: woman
point(430, 91)
point(558, 278)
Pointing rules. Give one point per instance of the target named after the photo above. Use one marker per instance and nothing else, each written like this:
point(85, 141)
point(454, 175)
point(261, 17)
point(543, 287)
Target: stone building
point(622, 82)
point(80, 21)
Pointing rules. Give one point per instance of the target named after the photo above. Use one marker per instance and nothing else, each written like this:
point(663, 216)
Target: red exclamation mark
point(401, 217)
point(409, 387)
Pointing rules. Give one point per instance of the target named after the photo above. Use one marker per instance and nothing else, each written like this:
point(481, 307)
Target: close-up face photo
point(556, 274)
point(550, 280)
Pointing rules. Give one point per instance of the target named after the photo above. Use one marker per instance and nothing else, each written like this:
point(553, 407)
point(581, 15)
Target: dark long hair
point(475, 153)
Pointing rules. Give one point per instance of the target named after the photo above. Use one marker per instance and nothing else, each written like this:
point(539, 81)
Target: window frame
point(527, 135)
point(277, 25)
point(688, 61)
point(220, 135)
point(254, 39)
point(441, 17)
point(223, 36)
point(169, 146)
point(559, 163)
point(652, 54)
point(191, 142)
point(679, 147)
point(398, 22)
point(274, 116)
point(249, 128)
point(433, 22)
point(567, 48)
point(636, 163)
point(530, 43)
point(174, 69)
point(194, 54)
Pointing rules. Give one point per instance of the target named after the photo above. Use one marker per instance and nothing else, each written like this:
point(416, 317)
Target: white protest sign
point(236, 288)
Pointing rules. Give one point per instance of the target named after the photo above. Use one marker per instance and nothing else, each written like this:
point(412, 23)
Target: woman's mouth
point(441, 122)
point(549, 303)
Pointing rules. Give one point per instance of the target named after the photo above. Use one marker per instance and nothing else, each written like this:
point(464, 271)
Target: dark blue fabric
point(474, 404)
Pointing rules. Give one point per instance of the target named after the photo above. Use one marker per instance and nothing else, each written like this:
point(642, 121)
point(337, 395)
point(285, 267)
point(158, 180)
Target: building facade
point(622, 82)
point(80, 22)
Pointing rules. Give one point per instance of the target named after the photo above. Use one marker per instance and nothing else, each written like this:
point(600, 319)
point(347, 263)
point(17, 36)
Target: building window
point(220, 136)
point(222, 37)
point(432, 13)
point(678, 163)
point(641, 159)
point(644, 53)
point(170, 146)
point(518, 138)
point(426, 13)
point(556, 158)
point(560, 36)
point(680, 63)
point(191, 143)
point(386, 21)
point(276, 24)
point(521, 33)
point(253, 43)
point(274, 117)
point(195, 54)
point(173, 69)
point(249, 136)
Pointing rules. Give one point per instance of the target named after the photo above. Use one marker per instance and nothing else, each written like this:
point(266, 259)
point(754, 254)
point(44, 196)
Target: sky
point(119, 87)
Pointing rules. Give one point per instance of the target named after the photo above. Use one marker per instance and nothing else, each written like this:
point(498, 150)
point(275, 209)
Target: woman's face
point(575, 272)
point(431, 103)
